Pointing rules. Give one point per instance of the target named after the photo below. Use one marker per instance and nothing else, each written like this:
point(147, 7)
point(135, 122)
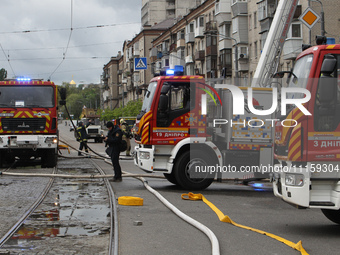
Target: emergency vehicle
point(191, 143)
point(309, 152)
point(28, 121)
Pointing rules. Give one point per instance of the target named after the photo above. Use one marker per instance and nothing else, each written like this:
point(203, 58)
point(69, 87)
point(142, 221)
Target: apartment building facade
point(156, 11)
point(222, 40)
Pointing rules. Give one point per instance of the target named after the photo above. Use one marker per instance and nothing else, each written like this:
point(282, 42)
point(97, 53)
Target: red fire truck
point(309, 151)
point(190, 146)
point(28, 121)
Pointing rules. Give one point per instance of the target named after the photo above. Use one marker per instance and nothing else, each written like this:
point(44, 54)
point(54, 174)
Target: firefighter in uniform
point(82, 137)
point(126, 135)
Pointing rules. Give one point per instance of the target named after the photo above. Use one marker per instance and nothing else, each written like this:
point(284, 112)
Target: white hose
point(215, 247)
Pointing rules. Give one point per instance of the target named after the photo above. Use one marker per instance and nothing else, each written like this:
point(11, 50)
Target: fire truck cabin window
point(26, 96)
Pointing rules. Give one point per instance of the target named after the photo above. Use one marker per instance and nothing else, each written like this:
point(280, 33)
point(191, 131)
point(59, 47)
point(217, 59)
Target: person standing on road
point(113, 140)
point(82, 137)
point(126, 135)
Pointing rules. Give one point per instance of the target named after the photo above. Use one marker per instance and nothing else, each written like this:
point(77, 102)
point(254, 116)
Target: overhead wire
point(7, 57)
point(63, 29)
point(68, 42)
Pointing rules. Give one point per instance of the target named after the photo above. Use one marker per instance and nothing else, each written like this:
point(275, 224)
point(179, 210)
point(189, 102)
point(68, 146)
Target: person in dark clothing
point(82, 137)
point(113, 140)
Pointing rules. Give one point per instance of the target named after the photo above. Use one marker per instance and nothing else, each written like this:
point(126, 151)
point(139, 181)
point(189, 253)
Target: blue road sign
point(140, 64)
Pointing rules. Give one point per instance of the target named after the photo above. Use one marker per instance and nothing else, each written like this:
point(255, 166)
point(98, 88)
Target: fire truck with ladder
point(29, 121)
point(175, 137)
point(309, 152)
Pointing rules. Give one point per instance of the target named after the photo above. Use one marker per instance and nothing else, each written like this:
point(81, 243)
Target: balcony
point(211, 26)
point(180, 43)
point(225, 44)
point(211, 50)
point(199, 32)
point(239, 8)
point(189, 59)
point(190, 37)
point(292, 48)
point(200, 55)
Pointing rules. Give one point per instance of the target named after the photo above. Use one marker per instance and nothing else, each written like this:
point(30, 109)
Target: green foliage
point(3, 74)
point(130, 110)
point(78, 97)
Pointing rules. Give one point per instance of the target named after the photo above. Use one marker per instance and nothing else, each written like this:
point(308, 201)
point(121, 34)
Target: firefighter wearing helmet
point(82, 137)
point(126, 135)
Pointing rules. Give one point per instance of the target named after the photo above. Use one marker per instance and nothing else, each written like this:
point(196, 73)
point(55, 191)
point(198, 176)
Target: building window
point(249, 21)
point(182, 34)
point(191, 27)
point(225, 57)
point(201, 21)
point(255, 20)
point(255, 49)
point(296, 30)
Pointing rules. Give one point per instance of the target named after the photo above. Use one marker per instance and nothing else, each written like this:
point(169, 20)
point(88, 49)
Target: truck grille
point(93, 131)
point(23, 124)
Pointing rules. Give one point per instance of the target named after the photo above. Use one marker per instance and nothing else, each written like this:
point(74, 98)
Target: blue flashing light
point(23, 79)
point(170, 72)
point(179, 68)
point(258, 185)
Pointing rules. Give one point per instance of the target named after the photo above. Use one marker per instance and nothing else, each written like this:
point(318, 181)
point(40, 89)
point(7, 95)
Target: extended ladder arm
point(272, 49)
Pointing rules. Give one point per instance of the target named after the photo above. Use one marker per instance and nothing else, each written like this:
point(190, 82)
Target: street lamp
point(323, 32)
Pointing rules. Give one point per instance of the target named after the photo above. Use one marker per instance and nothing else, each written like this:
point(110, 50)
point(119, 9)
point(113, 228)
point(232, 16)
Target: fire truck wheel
point(190, 170)
point(171, 178)
point(332, 215)
point(1, 159)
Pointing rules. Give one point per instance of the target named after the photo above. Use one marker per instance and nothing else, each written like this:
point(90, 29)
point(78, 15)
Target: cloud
point(39, 52)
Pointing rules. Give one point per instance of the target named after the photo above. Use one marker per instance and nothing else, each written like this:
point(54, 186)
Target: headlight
point(51, 140)
point(144, 155)
point(294, 180)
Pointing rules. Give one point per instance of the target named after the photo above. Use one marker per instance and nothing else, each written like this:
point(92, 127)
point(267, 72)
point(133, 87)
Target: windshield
point(300, 75)
point(26, 96)
point(149, 97)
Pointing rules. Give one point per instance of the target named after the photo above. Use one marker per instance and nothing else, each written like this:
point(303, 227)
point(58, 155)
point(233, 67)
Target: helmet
point(80, 123)
point(122, 121)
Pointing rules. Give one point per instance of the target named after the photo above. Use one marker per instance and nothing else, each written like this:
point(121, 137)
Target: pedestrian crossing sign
point(140, 64)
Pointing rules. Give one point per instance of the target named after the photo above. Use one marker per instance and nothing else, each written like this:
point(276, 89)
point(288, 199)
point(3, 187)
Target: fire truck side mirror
point(163, 103)
point(327, 83)
point(62, 92)
point(165, 88)
point(327, 89)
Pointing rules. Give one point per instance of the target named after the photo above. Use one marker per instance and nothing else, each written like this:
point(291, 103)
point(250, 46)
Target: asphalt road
point(162, 232)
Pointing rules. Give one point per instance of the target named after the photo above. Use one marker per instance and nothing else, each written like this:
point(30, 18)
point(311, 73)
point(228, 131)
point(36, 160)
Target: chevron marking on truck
point(294, 149)
point(145, 133)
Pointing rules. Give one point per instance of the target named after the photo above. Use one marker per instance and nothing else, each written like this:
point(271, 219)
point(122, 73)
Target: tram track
point(83, 178)
point(28, 212)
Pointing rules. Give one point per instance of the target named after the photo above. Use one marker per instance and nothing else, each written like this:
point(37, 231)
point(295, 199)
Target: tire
point(171, 178)
point(186, 164)
point(49, 159)
point(332, 215)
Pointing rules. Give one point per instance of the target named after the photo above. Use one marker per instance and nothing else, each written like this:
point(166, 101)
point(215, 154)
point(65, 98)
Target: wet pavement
point(73, 219)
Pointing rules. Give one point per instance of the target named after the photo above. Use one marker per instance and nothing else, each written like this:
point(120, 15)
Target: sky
point(36, 39)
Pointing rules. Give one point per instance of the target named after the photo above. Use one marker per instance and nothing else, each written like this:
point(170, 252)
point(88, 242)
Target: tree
point(130, 110)
point(3, 74)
